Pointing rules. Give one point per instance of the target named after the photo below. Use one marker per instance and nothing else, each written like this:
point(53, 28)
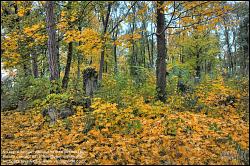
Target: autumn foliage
point(152, 133)
point(124, 82)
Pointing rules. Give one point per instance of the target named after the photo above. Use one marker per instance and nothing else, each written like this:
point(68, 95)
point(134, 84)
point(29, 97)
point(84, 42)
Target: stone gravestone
point(90, 81)
point(55, 114)
point(22, 105)
point(90, 86)
point(52, 115)
point(197, 80)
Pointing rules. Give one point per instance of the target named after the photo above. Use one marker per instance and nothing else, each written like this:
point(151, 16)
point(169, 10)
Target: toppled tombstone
point(230, 100)
point(22, 105)
point(8, 136)
point(90, 81)
point(55, 114)
point(57, 106)
point(52, 115)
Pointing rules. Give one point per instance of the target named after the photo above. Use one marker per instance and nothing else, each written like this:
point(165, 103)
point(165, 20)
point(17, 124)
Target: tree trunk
point(115, 58)
point(43, 71)
point(101, 64)
point(78, 58)
point(161, 55)
point(106, 67)
point(34, 65)
point(152, 45)
point(229, 52)
point(67, 68)
point(134, 59)
point(78, 65)
point(105, 26)
point(52, 43)
point(58, 58)
point(115, 52)
point(147, 43)
point(149, 56)
point(198, 67)
point(143, 49)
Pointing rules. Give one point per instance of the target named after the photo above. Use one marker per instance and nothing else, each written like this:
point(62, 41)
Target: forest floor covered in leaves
point(140, 133)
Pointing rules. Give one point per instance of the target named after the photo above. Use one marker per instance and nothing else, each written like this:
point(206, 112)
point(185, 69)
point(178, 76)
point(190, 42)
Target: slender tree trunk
point(147, 43)
point(182, 59)
point(106, 68)
point(114, 35)
point(78, 66)
point(143, 49)
point(105, 26)
point(34, 65)
point(161, 55)
point(149, 56)
point(115, 55)
point(152, 49)
point(230, 58)
point(205, 67)
point(101, 64)
point(67, 68)
point(58, 58)
point(134, 59)
point(79, 58)
point(43, 64)
point(198, 67)
point(52, 43)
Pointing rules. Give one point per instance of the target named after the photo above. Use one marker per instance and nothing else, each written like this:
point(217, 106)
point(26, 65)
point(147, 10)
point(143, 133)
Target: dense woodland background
point(125, 82)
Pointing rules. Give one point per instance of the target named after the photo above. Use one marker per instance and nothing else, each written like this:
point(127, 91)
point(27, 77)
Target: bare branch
point(123, 18)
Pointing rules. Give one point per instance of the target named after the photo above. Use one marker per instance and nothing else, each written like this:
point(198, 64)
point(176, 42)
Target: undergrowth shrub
point(27, 89)
point(120, 88)
point(57, 101)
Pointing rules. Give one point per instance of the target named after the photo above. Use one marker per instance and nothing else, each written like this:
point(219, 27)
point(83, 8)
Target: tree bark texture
point(67, 68)
point(161, 55)
point(52, 43)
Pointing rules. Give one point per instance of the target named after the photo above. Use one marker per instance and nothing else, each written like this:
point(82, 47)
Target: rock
point(52, 115)
point(22, 105)
point(230, 100)
point(8, 136)
point(65, 112)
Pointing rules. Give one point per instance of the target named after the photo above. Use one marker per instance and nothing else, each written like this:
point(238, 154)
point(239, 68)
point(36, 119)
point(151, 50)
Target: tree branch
point(122, 18)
